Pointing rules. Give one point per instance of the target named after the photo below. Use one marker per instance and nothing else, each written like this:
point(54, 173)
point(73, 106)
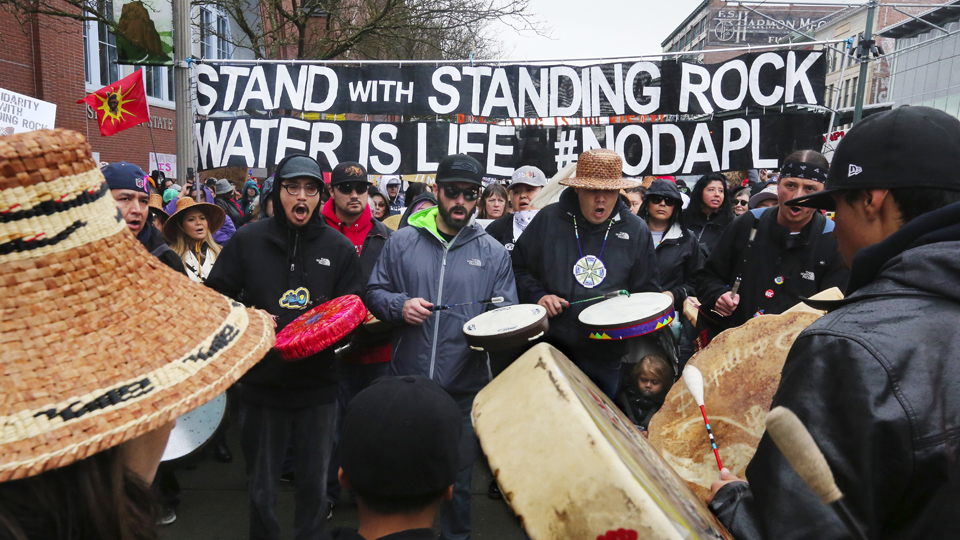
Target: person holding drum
point(526, 183)
point(286, 265)
point(587, 245)
point(777, 255)
point(875, 380)
point(91, 388)
point(444, 258)
point(678, 252)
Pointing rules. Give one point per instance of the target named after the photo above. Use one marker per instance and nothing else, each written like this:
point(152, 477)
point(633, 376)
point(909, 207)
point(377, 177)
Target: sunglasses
point(738, 202)
point(657, 199)
point(349, 187)
point(469, 194)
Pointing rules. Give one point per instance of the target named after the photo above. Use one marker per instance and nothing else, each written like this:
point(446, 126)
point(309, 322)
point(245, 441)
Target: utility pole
point(182, 98)
point(865, 46)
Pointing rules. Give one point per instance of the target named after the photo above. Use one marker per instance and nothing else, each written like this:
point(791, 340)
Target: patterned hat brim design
point(83, 367)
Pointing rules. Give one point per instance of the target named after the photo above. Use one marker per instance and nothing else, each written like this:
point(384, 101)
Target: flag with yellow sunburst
point(121, 105)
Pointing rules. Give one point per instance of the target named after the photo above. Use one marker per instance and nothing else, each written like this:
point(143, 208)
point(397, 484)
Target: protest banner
point(20, 113)
point(750, 81)
point(416, 147)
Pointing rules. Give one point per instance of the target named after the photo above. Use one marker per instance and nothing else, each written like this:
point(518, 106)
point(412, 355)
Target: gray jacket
point(416, 262)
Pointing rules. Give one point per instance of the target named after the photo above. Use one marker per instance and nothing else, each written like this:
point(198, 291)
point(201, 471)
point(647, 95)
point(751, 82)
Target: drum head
point(321, 327)
point(624, 311)
point(507, 327)
point(195, 428)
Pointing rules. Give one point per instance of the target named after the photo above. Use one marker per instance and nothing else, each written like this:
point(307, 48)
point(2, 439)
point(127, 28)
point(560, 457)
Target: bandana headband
point(804, 170)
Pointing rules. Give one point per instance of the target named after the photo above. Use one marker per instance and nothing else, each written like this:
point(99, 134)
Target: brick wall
point(45, 60)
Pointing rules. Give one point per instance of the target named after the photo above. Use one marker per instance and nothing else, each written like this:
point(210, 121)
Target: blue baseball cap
point(123, 175)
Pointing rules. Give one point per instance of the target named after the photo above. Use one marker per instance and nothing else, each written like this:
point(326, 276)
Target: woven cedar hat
point(600, 169)
point(82, 367)
point(156, 206)
point(215, 217)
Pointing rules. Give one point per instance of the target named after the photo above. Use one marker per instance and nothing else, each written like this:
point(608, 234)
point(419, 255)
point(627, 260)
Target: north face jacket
point(875, 382)
point(417, 262)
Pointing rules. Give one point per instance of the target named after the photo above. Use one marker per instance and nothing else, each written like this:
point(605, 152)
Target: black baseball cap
point(348, 171)
point(401, 438)
point(460, 168)
point(908, 147)
point(299, 166)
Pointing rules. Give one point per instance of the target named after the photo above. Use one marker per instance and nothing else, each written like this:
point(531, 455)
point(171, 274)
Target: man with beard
point(777, 254)
point(588, 244)
point(286, 265)
point(128, 185)
point(443, 258)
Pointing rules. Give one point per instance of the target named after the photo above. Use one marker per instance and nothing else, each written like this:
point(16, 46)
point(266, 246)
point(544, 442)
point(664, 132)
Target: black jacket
point(803, 264)
point(876, 382)
point(346, 533)
point(372, 246)
point(543, 262)
point(267, 261)
point(233, 211)
point(678, 258)
point(501, 229)
point(152, 239)
point(707, 230)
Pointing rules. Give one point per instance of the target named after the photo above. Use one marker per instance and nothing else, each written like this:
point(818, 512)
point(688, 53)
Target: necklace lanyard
point(589, 270)
point(576, 232)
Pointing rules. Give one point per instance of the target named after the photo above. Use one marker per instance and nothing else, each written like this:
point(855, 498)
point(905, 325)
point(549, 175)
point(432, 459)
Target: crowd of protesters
point(412, 246)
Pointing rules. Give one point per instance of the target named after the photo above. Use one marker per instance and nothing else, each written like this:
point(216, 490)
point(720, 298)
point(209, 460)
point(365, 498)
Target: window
point(100, 49)
point(846, 91)
point(853, 91)
point(159, 82)
point(214, 34)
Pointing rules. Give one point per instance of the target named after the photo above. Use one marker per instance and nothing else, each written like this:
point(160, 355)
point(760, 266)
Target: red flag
point(121, 105)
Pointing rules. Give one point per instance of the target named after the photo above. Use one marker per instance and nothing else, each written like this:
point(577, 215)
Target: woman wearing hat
point(91, 389)
point(189, 232)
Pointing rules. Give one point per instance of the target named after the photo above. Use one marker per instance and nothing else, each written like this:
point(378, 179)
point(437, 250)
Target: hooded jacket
point(246, 202)
point(223, 234)
point(678, 254)
point(707, 230)
point(543, 261)
point(357, 232)
point(265, 265)
point(875, 382)
point(417, 262)
point(776, 269)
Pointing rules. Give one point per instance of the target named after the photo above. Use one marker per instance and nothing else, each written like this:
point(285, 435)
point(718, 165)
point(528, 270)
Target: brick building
point(61, 60)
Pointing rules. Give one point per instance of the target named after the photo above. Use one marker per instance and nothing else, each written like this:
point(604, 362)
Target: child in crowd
point(642, 394)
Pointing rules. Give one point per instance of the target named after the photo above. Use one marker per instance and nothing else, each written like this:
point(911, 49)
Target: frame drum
point(195, 429)
point(625, 317)
point(504, 328)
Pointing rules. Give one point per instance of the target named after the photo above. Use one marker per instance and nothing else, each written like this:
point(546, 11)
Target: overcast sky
point(599, 28)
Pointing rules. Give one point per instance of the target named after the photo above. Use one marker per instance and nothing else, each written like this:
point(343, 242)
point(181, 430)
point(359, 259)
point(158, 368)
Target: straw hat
point(600, 169)
point(156, 205)
point(82, 367)
point(215, 217)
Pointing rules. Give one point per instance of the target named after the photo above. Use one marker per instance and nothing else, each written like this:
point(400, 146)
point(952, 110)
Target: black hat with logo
point(460, 168)
point(348, 171)
point(908, 147)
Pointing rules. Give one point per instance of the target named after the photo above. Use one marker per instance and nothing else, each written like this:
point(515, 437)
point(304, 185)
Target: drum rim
point(543, 315)
point(636, 322)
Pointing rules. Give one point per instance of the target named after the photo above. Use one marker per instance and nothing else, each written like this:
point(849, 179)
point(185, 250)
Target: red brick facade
point(44, 59)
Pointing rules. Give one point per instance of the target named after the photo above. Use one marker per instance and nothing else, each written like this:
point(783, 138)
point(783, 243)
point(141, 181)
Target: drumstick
point(494, 300)
point(796, 444)
point(607, 296)
point(694, 381)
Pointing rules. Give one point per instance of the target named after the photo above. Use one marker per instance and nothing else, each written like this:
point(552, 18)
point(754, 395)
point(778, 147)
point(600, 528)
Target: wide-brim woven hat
point(156, 206)
point(82, 365)
point(215, 217)
point(600, 169)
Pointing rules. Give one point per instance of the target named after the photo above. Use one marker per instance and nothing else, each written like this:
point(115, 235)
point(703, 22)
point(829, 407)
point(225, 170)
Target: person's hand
point(553, 303)
point(415, 311)
point(726, 304)
point(267, 314)
point(726, 477)
point(670, 294)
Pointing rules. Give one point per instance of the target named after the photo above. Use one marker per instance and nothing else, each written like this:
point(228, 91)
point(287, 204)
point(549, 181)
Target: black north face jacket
point(272, 266)
point(876, 382)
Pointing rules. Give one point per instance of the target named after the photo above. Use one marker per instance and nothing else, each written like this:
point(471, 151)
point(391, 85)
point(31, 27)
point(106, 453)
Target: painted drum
point(505, 328)
point(572, 466)
point(195, 429)
point(321, 327)
point(625, 317)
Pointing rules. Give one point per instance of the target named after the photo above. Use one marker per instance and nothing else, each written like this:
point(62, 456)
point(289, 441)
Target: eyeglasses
point(349, 187)
point(310, 190)
point(739, 202)
point(657, 199)
point(469, 194)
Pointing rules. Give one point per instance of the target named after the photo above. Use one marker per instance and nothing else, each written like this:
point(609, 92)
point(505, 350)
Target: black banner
point(751, 81)
point(417, 147)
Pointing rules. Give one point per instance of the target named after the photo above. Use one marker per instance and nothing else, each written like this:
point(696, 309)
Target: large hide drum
point(741, 371)
point(572, 466)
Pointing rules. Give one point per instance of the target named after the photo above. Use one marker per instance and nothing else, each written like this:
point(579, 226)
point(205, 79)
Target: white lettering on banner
point(446, 89)
point(257, 90)
point(499, 95)
point(651, 99)
point(634, 131)
point(232, 72)
point(332, 83)
point(496, 149)
point(422, 163)
point(764, 59)
point(672, 131)
point(758, 162)
point(701, 137)
point(555, 74)
point(729, 144)
point(538, 99)
point(20, 113)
